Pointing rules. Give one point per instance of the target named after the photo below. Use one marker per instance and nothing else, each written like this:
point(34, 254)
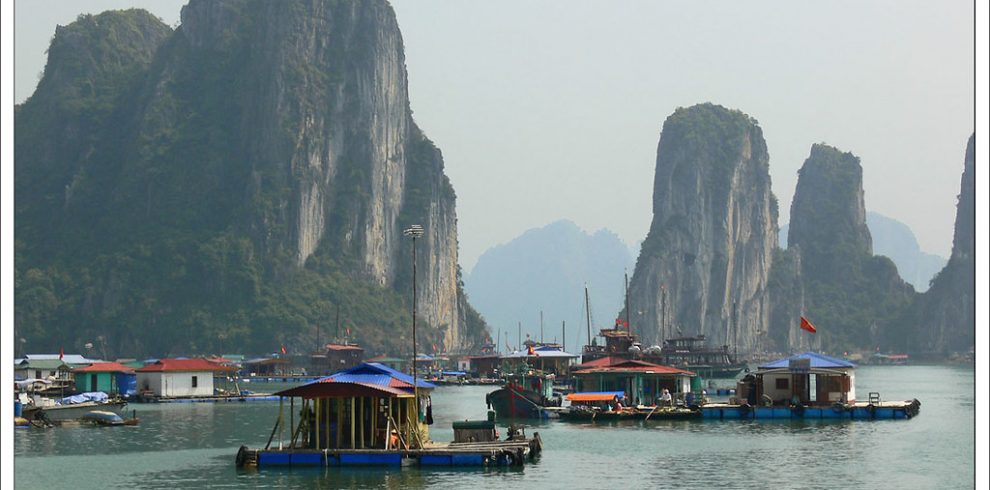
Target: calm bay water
point(193, 446)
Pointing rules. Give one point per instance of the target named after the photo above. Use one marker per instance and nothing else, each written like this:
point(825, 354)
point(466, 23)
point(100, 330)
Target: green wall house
point(101, 376)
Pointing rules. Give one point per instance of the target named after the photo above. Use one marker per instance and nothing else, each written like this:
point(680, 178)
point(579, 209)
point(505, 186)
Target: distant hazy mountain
point(546, 269)
point(896, 240)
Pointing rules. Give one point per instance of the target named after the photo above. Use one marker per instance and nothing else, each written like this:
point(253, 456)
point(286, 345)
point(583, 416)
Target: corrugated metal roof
point(376, 374)
point(41, 364)
point(817, 361)
point(595, 396)
point(359, 379)
point(105, 367)
point(629, 365)
point(180, 365)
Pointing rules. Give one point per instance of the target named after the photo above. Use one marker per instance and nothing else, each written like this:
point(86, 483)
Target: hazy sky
point(553, 109)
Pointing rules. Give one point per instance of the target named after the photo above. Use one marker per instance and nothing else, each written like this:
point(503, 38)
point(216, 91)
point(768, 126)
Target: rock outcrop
point(714, 230)
point(854, 297)
point(266, 145)
point(946, 321)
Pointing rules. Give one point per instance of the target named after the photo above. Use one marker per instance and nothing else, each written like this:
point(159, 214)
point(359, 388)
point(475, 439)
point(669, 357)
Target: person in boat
point(665, 398)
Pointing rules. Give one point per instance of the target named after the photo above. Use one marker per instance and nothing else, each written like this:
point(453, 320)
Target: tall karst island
point(231, 183)
point(705, 264)
point(711, 264)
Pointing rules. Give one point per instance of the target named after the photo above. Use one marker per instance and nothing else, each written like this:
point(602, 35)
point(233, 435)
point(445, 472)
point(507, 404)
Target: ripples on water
point(193, 446)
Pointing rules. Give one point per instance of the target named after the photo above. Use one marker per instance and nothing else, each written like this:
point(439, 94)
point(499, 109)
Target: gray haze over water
point(553, 109)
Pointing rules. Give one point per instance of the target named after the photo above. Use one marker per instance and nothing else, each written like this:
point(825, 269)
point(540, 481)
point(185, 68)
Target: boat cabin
point(807, 379)
point(369, 406)
point(641, 381)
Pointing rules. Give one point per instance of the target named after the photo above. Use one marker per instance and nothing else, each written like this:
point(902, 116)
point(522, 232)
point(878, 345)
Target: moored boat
point(73, 407)
point(524, 395)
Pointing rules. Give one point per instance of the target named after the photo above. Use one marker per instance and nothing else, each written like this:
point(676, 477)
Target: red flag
point(806, 325)
point(283, 348)
point(61, 353)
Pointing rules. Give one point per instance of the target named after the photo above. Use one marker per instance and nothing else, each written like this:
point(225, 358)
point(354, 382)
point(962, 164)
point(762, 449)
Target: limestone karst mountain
point(230, 183)
point(714, 230)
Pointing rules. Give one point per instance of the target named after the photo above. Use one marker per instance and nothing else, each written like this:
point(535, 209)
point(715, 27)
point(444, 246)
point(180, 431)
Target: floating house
point(267, 366)
point(53, 369)
point(642, 382)
point(484, 366)
point(807, 385)
point(109, 377)
point(368, 415)
point(335, 357)
point(170, 378)
point(550, 359)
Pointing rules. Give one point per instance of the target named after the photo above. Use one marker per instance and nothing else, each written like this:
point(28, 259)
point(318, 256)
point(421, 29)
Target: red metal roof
point(617, 364)
point(104, 367)
point(180, 365)
point(600, 362)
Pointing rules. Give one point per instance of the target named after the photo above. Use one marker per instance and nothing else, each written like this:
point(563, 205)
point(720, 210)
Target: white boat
point(71, 408)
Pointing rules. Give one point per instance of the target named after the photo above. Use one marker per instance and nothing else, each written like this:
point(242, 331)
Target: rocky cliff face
point(853, 297)
point(280, 134)
point(714, 230)
point(946, 321)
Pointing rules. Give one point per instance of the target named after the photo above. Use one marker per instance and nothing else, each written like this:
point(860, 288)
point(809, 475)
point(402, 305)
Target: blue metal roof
point(817, 361)
point(373, 373)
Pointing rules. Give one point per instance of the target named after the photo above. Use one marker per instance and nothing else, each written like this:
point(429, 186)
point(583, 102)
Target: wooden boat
point(635, 413)
point(75, 411)
point(524, 395)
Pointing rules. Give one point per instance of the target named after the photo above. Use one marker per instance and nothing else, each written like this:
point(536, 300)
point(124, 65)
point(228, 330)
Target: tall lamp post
point(414, 231)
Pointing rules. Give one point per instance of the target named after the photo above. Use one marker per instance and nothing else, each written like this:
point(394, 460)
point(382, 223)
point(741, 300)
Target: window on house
point(782, 383)
point(195, 381)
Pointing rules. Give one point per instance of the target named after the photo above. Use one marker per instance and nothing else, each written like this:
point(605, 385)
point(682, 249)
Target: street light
point(414, 231)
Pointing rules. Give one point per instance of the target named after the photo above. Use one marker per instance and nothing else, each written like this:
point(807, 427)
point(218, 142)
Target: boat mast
point(628, 326)
point(541, 326)
point(735, 331)
point(587, 311)
point(563, 335)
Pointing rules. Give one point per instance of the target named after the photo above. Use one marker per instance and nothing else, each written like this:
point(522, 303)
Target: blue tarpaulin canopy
point(90, 396)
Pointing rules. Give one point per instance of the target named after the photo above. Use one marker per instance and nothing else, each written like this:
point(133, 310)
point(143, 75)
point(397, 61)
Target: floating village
point(343, 409)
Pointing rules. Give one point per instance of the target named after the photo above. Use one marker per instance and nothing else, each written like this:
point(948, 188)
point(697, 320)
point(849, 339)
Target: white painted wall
point(176, 383)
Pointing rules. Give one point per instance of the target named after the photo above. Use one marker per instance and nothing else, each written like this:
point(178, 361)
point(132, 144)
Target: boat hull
point(599, 416)
point(515, 404)
point(59, 413)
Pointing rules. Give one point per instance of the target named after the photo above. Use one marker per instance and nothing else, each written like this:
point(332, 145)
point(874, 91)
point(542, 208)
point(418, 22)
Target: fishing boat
point(807, 386)
point(373, 415)
point(525, 395)
point(72, 407)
